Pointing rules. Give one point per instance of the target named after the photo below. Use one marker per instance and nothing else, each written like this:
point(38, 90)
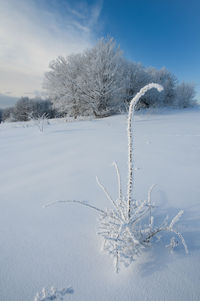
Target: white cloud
point(34, 32)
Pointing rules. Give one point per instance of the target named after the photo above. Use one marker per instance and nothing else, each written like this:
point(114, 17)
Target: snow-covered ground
point(58, 245)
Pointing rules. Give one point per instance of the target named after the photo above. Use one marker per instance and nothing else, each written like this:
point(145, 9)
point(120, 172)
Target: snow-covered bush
point(129, 227)
point(168, 82)
point(39, 121)
point(184, 95)
point(53, 294)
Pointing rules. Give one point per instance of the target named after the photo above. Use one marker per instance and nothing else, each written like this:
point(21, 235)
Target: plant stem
point(133, 103)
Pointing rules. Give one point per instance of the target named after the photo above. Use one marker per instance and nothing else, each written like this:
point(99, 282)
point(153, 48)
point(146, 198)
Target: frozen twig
point(119, 181)
point(76, 202)
point(106, 192)
point(150, 204)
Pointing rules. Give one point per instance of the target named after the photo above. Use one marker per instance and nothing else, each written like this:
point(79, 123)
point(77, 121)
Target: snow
point(58, 246)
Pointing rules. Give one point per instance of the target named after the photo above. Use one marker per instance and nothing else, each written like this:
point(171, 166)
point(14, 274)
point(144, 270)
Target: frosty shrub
point(129, 227)
point(185, 95)
point(53, 294)
point(39, 121)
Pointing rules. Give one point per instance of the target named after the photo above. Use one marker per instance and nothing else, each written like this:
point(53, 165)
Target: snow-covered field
point(58, 245)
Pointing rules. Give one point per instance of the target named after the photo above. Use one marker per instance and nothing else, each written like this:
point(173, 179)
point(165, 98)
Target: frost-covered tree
point(61, 83)
point(27, 108)
point(41, 107)
point(168, 81)
point(88, 83)
point(103, 81)
point(8, 114)
point(136, 77)
point(22, 109)
point(184, 95)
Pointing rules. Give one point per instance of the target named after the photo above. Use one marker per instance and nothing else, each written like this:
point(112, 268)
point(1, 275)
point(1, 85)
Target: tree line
point(28, 108)
point(100, 82)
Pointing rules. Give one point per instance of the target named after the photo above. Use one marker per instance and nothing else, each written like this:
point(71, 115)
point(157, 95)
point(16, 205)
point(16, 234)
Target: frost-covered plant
point(129, 227)
point(39, 121)
point(53, 294)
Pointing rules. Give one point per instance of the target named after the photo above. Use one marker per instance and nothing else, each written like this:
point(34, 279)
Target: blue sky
point(154, 32)
point(158, 33)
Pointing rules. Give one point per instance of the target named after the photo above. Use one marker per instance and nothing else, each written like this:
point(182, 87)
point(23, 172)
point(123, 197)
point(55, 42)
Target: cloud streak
point(34, 32)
